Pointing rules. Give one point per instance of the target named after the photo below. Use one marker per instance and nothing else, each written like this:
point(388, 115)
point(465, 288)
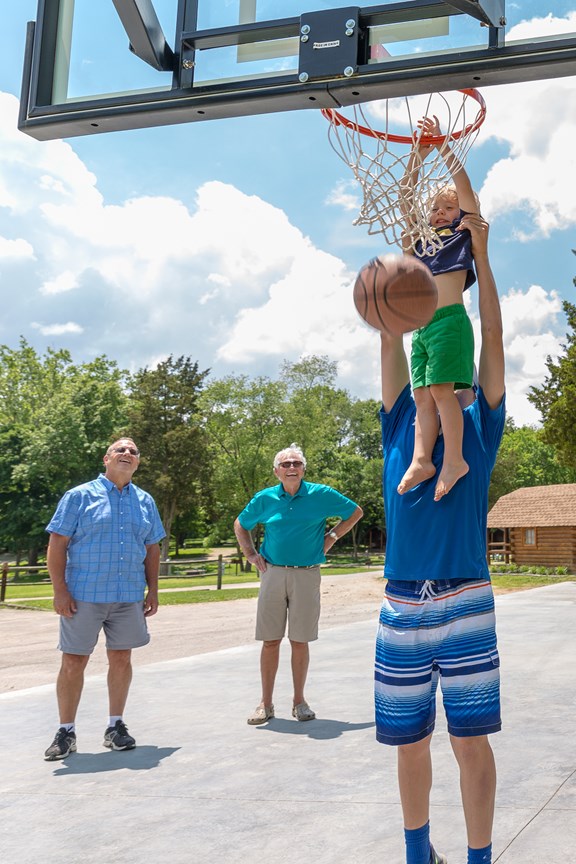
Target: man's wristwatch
point(333, 534)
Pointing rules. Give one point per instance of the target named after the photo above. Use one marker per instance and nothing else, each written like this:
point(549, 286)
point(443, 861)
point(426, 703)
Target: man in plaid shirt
point(103, 560)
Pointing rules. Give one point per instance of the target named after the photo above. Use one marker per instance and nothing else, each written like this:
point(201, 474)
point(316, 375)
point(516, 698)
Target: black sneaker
point(437, 857)
point(117, 737)
point(64, 743)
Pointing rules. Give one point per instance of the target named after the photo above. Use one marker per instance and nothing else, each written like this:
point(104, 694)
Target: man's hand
point(258, 561)
point(479, 230)
point(150, 603)
point(64, 604)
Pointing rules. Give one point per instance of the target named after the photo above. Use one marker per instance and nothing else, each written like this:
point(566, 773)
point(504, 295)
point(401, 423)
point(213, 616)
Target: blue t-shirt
point(454, 255)
point(109, 530)
point(444, 539)
point(295, 524)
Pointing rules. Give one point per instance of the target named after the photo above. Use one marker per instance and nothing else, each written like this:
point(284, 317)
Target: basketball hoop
point(382, 171)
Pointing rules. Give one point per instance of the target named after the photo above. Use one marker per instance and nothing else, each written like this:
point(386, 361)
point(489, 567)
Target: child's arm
point(466, 199)
point(409, 181)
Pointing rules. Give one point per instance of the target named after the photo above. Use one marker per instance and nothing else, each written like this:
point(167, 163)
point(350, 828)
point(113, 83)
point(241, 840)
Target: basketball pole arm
point(490, 12)
point(145, 33)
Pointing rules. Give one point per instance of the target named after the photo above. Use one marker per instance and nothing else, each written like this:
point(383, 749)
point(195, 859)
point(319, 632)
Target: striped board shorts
point(441, 629)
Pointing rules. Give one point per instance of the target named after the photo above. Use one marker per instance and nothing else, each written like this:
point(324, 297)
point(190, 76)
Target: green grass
point(17, 592)
point(169, 599)
point(22, 594)
point(518, 581)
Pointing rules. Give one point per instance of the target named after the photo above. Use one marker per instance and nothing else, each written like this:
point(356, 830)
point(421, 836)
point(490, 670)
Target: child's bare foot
point(449, 476)
point(416, 473)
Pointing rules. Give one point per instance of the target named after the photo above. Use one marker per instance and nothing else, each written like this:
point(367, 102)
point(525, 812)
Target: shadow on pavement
point(141, 759)
point(318, 729)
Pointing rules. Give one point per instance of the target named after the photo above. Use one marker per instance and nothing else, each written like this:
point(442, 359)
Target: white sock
point(113, 719)
point(70, 727)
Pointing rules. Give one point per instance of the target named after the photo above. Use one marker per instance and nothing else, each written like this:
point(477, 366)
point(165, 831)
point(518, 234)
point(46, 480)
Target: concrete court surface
point(203, 786)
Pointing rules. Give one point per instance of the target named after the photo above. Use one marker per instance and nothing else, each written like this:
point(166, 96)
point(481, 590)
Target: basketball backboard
point(193, 60)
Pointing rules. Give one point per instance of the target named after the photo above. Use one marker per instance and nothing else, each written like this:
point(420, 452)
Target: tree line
point(207, 444)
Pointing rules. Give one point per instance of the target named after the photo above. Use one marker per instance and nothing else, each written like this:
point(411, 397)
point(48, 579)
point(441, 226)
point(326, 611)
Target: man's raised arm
point(395, 375)
point(491, 369)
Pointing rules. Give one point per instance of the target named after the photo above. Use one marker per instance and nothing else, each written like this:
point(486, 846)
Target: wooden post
point(3, 582)
point(220, 573)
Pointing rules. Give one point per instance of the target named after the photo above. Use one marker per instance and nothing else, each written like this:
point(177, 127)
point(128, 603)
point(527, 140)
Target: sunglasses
point(291, 463)
point(131, 450)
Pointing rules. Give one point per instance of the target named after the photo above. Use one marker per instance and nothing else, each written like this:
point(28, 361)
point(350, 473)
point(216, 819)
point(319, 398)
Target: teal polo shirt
point(295, 525)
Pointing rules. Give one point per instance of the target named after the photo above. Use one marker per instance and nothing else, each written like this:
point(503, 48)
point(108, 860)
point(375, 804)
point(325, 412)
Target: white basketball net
point(380, 163)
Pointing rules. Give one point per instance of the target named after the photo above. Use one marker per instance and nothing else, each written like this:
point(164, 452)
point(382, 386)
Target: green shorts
point(443, 350)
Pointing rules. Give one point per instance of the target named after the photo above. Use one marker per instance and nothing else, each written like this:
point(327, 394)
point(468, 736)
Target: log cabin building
point(535, 525)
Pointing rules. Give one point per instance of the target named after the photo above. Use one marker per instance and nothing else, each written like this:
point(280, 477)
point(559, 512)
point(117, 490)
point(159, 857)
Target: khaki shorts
point(291, 593)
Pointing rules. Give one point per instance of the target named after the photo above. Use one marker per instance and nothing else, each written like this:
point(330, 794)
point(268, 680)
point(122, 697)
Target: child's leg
point(425, 434)
point(454, 466)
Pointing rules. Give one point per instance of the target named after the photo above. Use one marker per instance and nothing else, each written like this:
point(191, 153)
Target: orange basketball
point(396, 293)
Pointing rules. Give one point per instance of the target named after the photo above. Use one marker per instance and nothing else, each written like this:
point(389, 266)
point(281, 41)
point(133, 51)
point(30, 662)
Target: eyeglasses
point(293, 463)
point(132, 450)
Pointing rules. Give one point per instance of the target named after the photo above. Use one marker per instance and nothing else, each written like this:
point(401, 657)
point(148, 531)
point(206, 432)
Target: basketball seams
point(377, 289)
point(396, 294)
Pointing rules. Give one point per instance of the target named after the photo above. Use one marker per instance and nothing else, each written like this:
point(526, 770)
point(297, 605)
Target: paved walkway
point(204, 786)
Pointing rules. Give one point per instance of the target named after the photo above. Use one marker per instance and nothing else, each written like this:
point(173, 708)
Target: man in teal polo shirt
point(295, 543)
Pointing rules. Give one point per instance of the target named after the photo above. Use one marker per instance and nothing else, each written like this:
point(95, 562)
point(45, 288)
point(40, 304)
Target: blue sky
point(232, 241)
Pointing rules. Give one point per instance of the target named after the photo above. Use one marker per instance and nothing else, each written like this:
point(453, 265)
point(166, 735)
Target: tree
point(364, 439)
point(316, 415)
point(56, 421)
point(556, 399)
point(526, 459)
point(364, 434)
point(165, 421)
point(244, 425)
point(361, 481)
point(313, 371)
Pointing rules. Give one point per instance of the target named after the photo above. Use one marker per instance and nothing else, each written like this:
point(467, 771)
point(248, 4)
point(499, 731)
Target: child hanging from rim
point(442, 359)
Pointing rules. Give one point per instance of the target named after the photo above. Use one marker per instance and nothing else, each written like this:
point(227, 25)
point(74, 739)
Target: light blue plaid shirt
point(109, 531)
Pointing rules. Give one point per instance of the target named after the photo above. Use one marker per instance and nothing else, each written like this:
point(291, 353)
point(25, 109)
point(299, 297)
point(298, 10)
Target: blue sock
point(418, 845)
point(480, 856)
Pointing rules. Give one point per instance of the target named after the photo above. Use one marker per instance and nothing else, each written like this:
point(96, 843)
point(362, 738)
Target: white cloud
point(531, 321)
point(227, 280)
point(345, 195)
point(58, 329)
point(310, 299)
point(65, 281)
point(537, 120)
point(56, 168)
point(15, 248)
point(543, 27)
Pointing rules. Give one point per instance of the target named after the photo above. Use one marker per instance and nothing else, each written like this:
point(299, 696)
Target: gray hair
point(117, 441)
point(285, 454)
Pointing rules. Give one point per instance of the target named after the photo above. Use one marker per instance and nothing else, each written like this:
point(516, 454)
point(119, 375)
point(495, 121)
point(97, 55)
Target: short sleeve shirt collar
point(302, 490)
point(109, 485)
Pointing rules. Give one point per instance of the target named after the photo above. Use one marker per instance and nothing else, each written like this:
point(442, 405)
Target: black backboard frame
point(328, 85)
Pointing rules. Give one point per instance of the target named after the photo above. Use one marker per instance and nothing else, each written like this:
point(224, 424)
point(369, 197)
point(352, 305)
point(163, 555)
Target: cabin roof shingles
point(535, 506)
